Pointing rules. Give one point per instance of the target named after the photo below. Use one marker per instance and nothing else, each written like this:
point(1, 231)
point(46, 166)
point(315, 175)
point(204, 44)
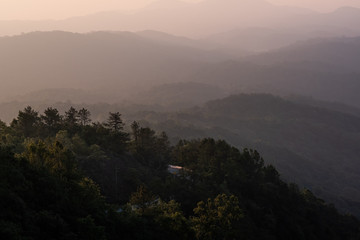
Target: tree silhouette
point(27, 121)
point(84, 116)
point(114, 122)
point(71, 117)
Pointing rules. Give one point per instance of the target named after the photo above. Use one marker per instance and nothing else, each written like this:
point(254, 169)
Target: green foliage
point(43, 195)
point(150, 149)
point(3, 128)
point(271, 208)
point(218, 219)
point(51, 120)
point(142, 199)
point(114, 122)
point(171, 219)
point(314, 146)
point(74, 180)
point(52, 157)
point(71, 117)
point(27, 122)
point(159, 217)
point(84, 116)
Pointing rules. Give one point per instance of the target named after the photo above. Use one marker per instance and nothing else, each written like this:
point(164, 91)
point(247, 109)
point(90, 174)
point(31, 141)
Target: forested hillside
point(285, 131)
point(66, 177)
point(180, 119)
point(313, 145)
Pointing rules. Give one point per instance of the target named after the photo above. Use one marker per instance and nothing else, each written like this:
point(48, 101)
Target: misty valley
point(182, 120)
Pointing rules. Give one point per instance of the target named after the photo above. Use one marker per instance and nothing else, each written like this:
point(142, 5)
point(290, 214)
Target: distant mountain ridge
point(119, 64)
point(327, 69)
point(115, 61)
point(261, 39)
point(341, 52)
point(211, 17)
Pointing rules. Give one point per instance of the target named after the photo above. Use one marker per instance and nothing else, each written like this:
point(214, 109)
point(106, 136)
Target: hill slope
point(326, 69)
point(211, 16)
point(100, 60)
point(48, 169)
point(312, 146)
point(339, 53)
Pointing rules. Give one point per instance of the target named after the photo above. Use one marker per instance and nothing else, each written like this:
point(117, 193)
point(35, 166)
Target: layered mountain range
point(173, 66)
point(118, 65)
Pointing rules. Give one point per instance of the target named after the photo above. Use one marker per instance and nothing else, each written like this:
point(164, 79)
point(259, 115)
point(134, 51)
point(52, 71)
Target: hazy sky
point(57, 9)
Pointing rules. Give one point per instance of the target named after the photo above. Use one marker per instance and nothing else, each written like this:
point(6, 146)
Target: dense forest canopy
point(284, 130)
point(66, 177)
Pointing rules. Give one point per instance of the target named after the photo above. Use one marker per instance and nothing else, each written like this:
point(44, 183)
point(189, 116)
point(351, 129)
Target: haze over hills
point(163, 16)
point(259, 39)
point(178, 95)
point(311, 145)
point(341, 87)
point(337, 54)
point(163, 97)
point(122, 119)
point(211, 17)
point(61, 183)
point(314, 144)
point(111, 61)
point(327, 69)
point(117, 65)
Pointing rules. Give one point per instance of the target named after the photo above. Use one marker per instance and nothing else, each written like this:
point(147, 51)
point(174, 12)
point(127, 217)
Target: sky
point(60, 9)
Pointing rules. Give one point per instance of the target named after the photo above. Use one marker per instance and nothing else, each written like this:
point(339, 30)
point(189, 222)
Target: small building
point(174, 169)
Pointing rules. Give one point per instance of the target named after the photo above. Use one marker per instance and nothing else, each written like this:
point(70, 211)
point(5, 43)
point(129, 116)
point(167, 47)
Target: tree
point(27, 121)
point(84, 116)
point(147, 139)
point(142, 199)
point(51, 119)
point(150, 149)
point(135, 127)
point(171, 221)
point(3, 128)
point(71, 117)
point(115, 139)
point(114, 122)
point(218, 219)
point(44, 196)
point(54, 157)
